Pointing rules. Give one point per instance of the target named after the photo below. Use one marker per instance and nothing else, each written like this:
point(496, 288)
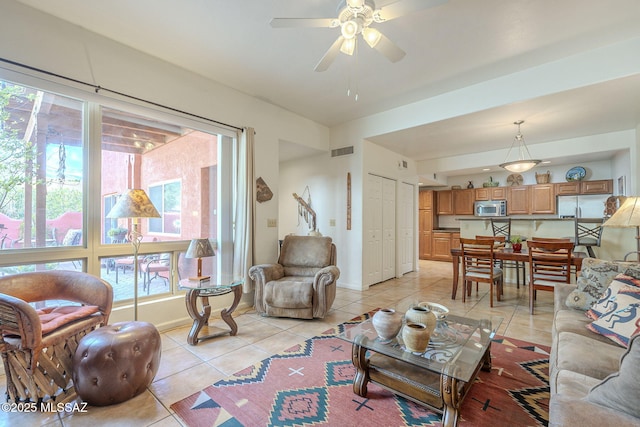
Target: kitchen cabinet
point(426, 221)
point(518, 200)
point(455, 240)
point(463, 201)
point(491, 193)
point(444, 202)
point(425, 199)
point(543, 199)
point(603, 186)
point(441, 249)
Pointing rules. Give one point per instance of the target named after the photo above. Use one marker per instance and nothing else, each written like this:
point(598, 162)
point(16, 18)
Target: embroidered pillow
point(619, 391)
point(607, 301)
point(595, 276)
point(51, 318)
point(624, 322)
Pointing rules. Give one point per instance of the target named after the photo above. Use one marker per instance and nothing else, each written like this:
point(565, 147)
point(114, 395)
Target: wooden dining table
point(505, 255)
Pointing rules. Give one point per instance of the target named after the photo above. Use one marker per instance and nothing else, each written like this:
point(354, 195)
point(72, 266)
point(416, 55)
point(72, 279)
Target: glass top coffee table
point(205, 289)
point(438, 378)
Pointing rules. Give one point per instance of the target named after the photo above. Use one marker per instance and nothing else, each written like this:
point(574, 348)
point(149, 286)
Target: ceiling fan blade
point(405, 7)
point(302, 22)
point(330, 55)
point(389, 49)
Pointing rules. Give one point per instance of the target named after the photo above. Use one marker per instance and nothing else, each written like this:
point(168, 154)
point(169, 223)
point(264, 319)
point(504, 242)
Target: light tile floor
point(187, 369)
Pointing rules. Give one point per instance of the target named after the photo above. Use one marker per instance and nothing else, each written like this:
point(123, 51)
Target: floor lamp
point(627, 215)
point(134, 204)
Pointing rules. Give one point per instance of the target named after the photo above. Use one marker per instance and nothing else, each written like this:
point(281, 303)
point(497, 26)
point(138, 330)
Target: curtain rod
point(98, 88)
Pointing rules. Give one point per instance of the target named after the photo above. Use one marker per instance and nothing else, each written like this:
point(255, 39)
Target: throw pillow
point(595, 275)
point(607, 301)
point(619, 391)
point(622, 323)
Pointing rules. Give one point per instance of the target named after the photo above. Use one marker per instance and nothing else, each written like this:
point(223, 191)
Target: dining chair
point(479, 265)
point(502, 227)
point(549, 264)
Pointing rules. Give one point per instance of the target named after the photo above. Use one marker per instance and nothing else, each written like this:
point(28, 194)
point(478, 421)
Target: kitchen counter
point(446, 230)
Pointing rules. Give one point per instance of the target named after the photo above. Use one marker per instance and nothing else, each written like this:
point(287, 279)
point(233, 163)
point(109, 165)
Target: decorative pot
point(416, 337)
point(422, 314)
point(517, 247)
point(387, 323)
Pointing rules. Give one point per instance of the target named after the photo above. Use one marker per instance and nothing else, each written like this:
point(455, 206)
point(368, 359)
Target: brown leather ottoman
point(116, 362)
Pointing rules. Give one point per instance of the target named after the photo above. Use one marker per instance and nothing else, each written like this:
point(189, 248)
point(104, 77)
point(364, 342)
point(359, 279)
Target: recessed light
point(486, 169)
point(546, 162)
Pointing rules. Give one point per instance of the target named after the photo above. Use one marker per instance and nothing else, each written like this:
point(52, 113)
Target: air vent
point(342, 151)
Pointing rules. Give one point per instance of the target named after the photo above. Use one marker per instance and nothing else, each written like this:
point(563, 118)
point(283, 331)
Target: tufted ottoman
point(116, 362)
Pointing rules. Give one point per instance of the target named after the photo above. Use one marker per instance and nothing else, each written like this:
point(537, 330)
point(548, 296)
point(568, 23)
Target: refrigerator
point(582, 206)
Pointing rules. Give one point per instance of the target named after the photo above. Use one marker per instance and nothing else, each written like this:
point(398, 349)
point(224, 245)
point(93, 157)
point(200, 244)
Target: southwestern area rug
point(310, 384)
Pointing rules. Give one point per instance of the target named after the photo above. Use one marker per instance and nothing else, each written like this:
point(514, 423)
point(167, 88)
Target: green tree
point(61, 200)
point(17, 156)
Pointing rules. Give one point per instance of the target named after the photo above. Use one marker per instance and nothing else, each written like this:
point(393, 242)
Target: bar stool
point(502, 227)
point(588, 233)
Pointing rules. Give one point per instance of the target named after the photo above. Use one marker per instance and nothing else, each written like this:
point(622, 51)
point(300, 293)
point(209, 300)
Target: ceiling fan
point(354, 18)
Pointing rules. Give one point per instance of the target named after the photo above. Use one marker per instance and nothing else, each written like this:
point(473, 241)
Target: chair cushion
point(51, 318)
point(305, 252)
point(292, 292)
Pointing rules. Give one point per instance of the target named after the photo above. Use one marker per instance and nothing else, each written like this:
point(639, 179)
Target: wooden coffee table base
point(441, 392)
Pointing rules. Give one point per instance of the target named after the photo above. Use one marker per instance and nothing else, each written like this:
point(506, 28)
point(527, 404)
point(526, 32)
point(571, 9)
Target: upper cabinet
point(425, 199)
point(463, 201)
point(444, 202)
point(518, 200)
point(543, 199)
point(604, 186)
point(491, 193)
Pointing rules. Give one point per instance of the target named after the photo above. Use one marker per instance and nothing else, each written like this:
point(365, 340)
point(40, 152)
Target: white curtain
point(245, 185)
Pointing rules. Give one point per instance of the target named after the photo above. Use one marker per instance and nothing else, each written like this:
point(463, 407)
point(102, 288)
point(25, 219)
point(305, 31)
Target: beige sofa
point(593, 381)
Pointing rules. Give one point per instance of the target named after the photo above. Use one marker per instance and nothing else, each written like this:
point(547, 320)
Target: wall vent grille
point(342, 151)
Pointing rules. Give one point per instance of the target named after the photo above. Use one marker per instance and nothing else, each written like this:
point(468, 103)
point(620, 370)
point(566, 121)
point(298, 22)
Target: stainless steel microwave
point(490, 208)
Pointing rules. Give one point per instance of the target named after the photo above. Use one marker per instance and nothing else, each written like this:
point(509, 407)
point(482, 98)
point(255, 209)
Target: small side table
point(205, 290)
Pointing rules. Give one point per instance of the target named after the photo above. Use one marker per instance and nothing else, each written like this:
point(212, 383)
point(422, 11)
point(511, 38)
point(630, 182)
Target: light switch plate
point(272, 222)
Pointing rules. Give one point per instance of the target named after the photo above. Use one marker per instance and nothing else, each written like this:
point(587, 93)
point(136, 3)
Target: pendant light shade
point(524, 161)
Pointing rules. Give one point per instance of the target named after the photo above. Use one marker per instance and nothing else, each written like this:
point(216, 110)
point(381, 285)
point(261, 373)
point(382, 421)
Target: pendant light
point(524, 163)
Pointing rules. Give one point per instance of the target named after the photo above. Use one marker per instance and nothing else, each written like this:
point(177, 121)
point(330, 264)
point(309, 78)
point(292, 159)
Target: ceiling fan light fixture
point(371, 36)
point(355, 4)
point(350, 29)
point(348, 46)
point(524, 162)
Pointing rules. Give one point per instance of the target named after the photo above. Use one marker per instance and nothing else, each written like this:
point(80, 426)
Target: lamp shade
point(133, 203)
point(199, 248)
point(628, 215)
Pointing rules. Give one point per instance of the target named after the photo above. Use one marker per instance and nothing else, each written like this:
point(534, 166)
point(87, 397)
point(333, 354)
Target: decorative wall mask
point(263, 192)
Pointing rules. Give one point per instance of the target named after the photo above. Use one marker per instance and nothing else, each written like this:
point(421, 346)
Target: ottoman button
point(131, 346)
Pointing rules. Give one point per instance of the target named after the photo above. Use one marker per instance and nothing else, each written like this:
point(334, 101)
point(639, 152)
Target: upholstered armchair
point(38, 345)
point(303, 282)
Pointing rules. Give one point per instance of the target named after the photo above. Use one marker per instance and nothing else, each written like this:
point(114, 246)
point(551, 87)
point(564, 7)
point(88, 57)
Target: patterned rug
point(310, 384)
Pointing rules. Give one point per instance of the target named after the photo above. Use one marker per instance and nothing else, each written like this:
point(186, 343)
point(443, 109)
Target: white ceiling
point(449, 46)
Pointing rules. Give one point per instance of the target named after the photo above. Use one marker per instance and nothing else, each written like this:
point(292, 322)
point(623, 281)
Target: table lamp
point(627, 215)
point(134, 204)
point(199, 248)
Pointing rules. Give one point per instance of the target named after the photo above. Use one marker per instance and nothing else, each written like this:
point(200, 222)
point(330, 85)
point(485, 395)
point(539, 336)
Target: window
point(41, 171)
point(45, 205)
point(167, 200)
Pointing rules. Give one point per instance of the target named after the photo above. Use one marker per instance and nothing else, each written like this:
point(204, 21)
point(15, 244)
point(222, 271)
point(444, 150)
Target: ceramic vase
point(387, 323)
point(416, 337)
point(422, 314)
point(517, 247)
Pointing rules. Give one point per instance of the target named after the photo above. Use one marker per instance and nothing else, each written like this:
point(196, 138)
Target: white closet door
point(406, 225)
point(373, 230)
point(388, 229)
